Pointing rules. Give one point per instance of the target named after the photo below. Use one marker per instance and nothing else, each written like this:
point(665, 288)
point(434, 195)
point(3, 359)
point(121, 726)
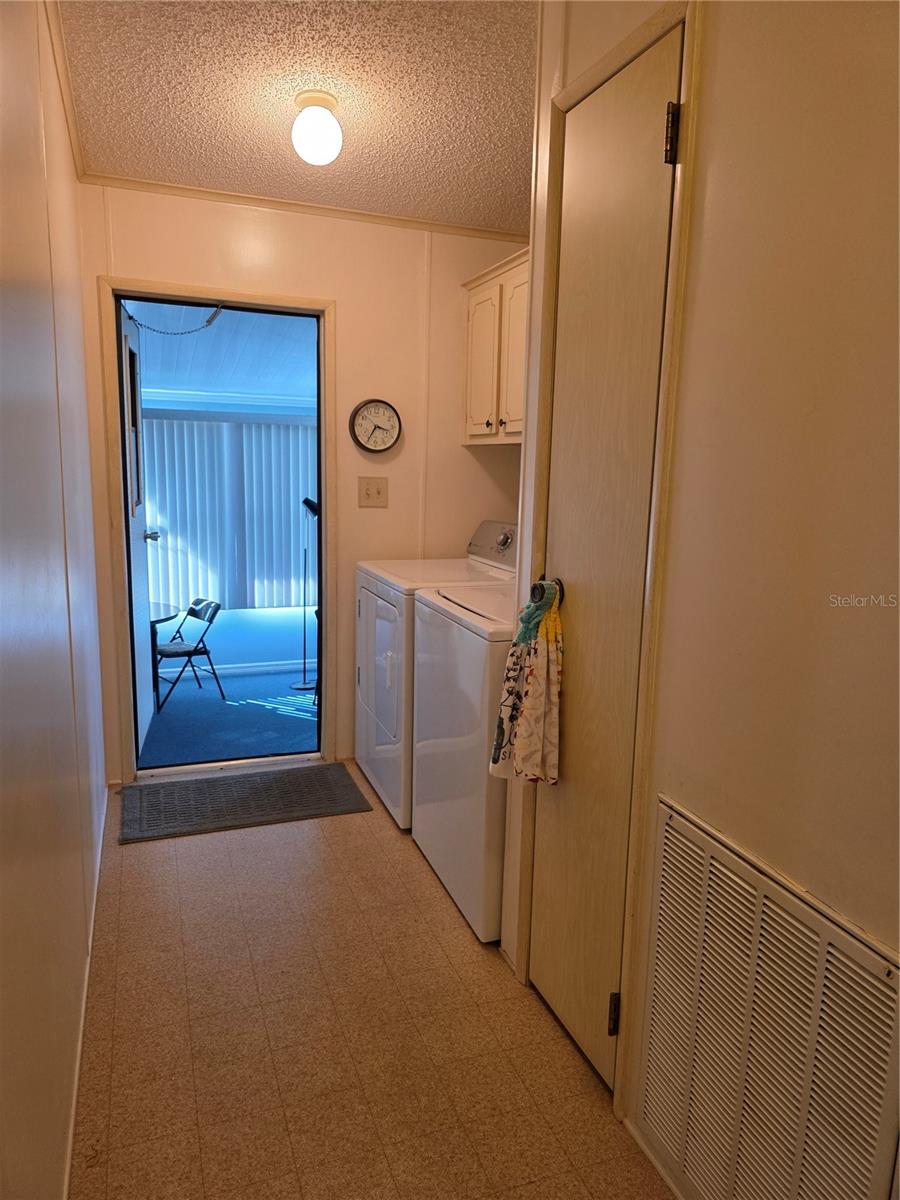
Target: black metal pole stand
point(305, 684)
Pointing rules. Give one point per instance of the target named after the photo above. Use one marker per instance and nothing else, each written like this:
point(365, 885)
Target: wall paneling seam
point(426, 396)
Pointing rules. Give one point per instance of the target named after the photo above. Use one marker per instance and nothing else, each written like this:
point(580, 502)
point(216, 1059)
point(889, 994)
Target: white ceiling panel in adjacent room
point(244, 360)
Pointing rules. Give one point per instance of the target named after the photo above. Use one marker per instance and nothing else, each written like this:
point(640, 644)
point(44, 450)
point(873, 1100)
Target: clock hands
point(372, 431)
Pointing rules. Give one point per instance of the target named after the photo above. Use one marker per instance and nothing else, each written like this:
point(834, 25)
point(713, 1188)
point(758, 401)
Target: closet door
point(616, 204)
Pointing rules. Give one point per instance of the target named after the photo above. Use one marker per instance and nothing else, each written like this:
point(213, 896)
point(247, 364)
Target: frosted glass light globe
point(317, 135)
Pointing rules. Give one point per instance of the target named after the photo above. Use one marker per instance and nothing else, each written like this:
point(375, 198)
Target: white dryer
point(385, 621)
point(463, 636)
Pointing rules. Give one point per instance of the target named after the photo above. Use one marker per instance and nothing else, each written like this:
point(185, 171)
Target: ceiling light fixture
point(316, 133)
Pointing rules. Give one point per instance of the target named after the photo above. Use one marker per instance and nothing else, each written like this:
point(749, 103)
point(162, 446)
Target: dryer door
point(382, 700)
point(365, 629)
point(379, 659)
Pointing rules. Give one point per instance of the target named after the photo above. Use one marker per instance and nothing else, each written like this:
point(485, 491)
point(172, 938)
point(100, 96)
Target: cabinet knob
point(488, 423)
point(502, 422)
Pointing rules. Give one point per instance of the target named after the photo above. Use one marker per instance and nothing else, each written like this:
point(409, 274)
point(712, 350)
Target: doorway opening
point(221, 456)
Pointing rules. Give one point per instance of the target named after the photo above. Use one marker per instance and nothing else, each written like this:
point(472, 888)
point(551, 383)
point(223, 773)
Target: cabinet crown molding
point(489, 273)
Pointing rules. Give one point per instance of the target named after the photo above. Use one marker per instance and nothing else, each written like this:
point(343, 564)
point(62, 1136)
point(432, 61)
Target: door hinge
point(615, 1002)
point(357, 676)
point(673, 112)
point(359, 607)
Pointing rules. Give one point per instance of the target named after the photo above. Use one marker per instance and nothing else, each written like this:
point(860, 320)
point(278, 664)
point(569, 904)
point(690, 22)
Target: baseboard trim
point(649, 1152)
point(73, 1111)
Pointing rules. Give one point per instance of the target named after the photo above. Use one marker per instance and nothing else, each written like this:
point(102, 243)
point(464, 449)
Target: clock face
point(375, 425)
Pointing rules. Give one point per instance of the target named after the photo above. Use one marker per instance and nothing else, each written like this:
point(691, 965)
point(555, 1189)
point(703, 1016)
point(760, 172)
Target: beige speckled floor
point(298, 1012)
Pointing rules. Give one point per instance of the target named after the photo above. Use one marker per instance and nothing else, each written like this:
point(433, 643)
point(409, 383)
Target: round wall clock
point(375, 426)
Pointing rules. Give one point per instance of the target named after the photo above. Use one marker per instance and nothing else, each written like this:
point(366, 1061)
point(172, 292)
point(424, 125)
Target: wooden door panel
point(616, 205)
point(483, 362)
point(513, 345)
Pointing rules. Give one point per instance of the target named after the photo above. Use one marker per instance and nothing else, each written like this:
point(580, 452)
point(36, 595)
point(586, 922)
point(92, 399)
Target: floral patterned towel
point(526, 744)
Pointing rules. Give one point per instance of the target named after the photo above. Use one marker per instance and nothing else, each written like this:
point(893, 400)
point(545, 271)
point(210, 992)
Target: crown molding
point(57, 41)
point(295, 206)
point(514, 260)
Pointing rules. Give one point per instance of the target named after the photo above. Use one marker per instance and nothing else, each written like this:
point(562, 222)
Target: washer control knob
point(504, 541)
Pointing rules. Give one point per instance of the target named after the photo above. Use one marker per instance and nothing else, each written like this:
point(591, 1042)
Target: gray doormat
point(181, 807)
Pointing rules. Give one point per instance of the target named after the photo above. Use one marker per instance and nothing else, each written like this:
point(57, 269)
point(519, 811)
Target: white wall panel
point(51, 748)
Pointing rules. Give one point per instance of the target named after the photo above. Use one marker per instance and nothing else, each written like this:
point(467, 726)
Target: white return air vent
point(770, 1036)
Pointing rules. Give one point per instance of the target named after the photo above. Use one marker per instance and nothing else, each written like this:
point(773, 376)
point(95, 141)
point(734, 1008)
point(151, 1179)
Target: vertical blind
point(226, 499)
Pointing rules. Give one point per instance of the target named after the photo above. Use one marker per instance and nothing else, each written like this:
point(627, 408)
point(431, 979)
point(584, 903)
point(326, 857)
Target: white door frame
point(545, 238)
point(119, 726)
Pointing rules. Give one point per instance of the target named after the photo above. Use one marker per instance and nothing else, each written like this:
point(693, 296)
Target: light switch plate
point(373, 491)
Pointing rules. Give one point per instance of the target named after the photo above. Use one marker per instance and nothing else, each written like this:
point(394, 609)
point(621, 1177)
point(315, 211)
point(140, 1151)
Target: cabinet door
point(483, 362)
point(512, 351)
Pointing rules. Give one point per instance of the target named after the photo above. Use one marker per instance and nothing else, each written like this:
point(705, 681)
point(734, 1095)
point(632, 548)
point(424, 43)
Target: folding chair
point(179, 647)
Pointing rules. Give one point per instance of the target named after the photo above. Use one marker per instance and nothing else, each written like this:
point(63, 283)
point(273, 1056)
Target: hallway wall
point(400, 327)
point(51, 747)
point(775, 716)
point(776, 710)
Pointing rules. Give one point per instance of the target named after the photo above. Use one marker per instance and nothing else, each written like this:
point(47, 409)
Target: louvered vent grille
point(725, 962)
point(781, 1016)
point(851, 1060)
point(770, 1054)
point(680, 906)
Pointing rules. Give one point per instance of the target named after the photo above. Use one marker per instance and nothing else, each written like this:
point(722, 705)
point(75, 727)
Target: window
point(225, 496)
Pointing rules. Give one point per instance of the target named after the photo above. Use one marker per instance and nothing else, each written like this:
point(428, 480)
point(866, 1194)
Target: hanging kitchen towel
point(526, 744)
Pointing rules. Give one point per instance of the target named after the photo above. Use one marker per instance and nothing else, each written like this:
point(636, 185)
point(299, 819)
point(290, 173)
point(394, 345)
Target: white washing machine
point(385, 620)
point(463, 636)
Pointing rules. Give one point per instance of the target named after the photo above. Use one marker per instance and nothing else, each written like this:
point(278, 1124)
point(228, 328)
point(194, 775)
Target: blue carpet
point(261, 716)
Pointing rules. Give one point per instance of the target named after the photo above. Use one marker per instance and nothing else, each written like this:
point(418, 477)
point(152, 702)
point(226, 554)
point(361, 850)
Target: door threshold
point(236, 766)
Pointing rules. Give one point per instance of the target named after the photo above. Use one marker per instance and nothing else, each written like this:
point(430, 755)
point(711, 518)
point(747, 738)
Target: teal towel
point(533, 613)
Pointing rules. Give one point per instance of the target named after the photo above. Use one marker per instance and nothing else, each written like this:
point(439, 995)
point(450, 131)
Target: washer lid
point(407, 575)
point(488, 610)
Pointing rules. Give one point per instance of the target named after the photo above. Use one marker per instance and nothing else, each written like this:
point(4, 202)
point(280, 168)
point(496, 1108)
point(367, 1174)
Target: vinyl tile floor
point(298, 1012)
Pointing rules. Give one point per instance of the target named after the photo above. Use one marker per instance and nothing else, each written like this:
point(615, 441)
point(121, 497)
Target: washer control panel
point(494, 542)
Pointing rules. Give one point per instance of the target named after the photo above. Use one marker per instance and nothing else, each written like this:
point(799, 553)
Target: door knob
point(151, 535)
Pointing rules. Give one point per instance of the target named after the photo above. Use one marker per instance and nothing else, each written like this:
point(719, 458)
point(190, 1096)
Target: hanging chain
point(174, 332)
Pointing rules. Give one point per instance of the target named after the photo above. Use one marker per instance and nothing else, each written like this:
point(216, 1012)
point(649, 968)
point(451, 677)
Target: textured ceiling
point(435, 99)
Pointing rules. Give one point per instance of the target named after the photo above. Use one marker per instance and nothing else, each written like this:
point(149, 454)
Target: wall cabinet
point(495, 369)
